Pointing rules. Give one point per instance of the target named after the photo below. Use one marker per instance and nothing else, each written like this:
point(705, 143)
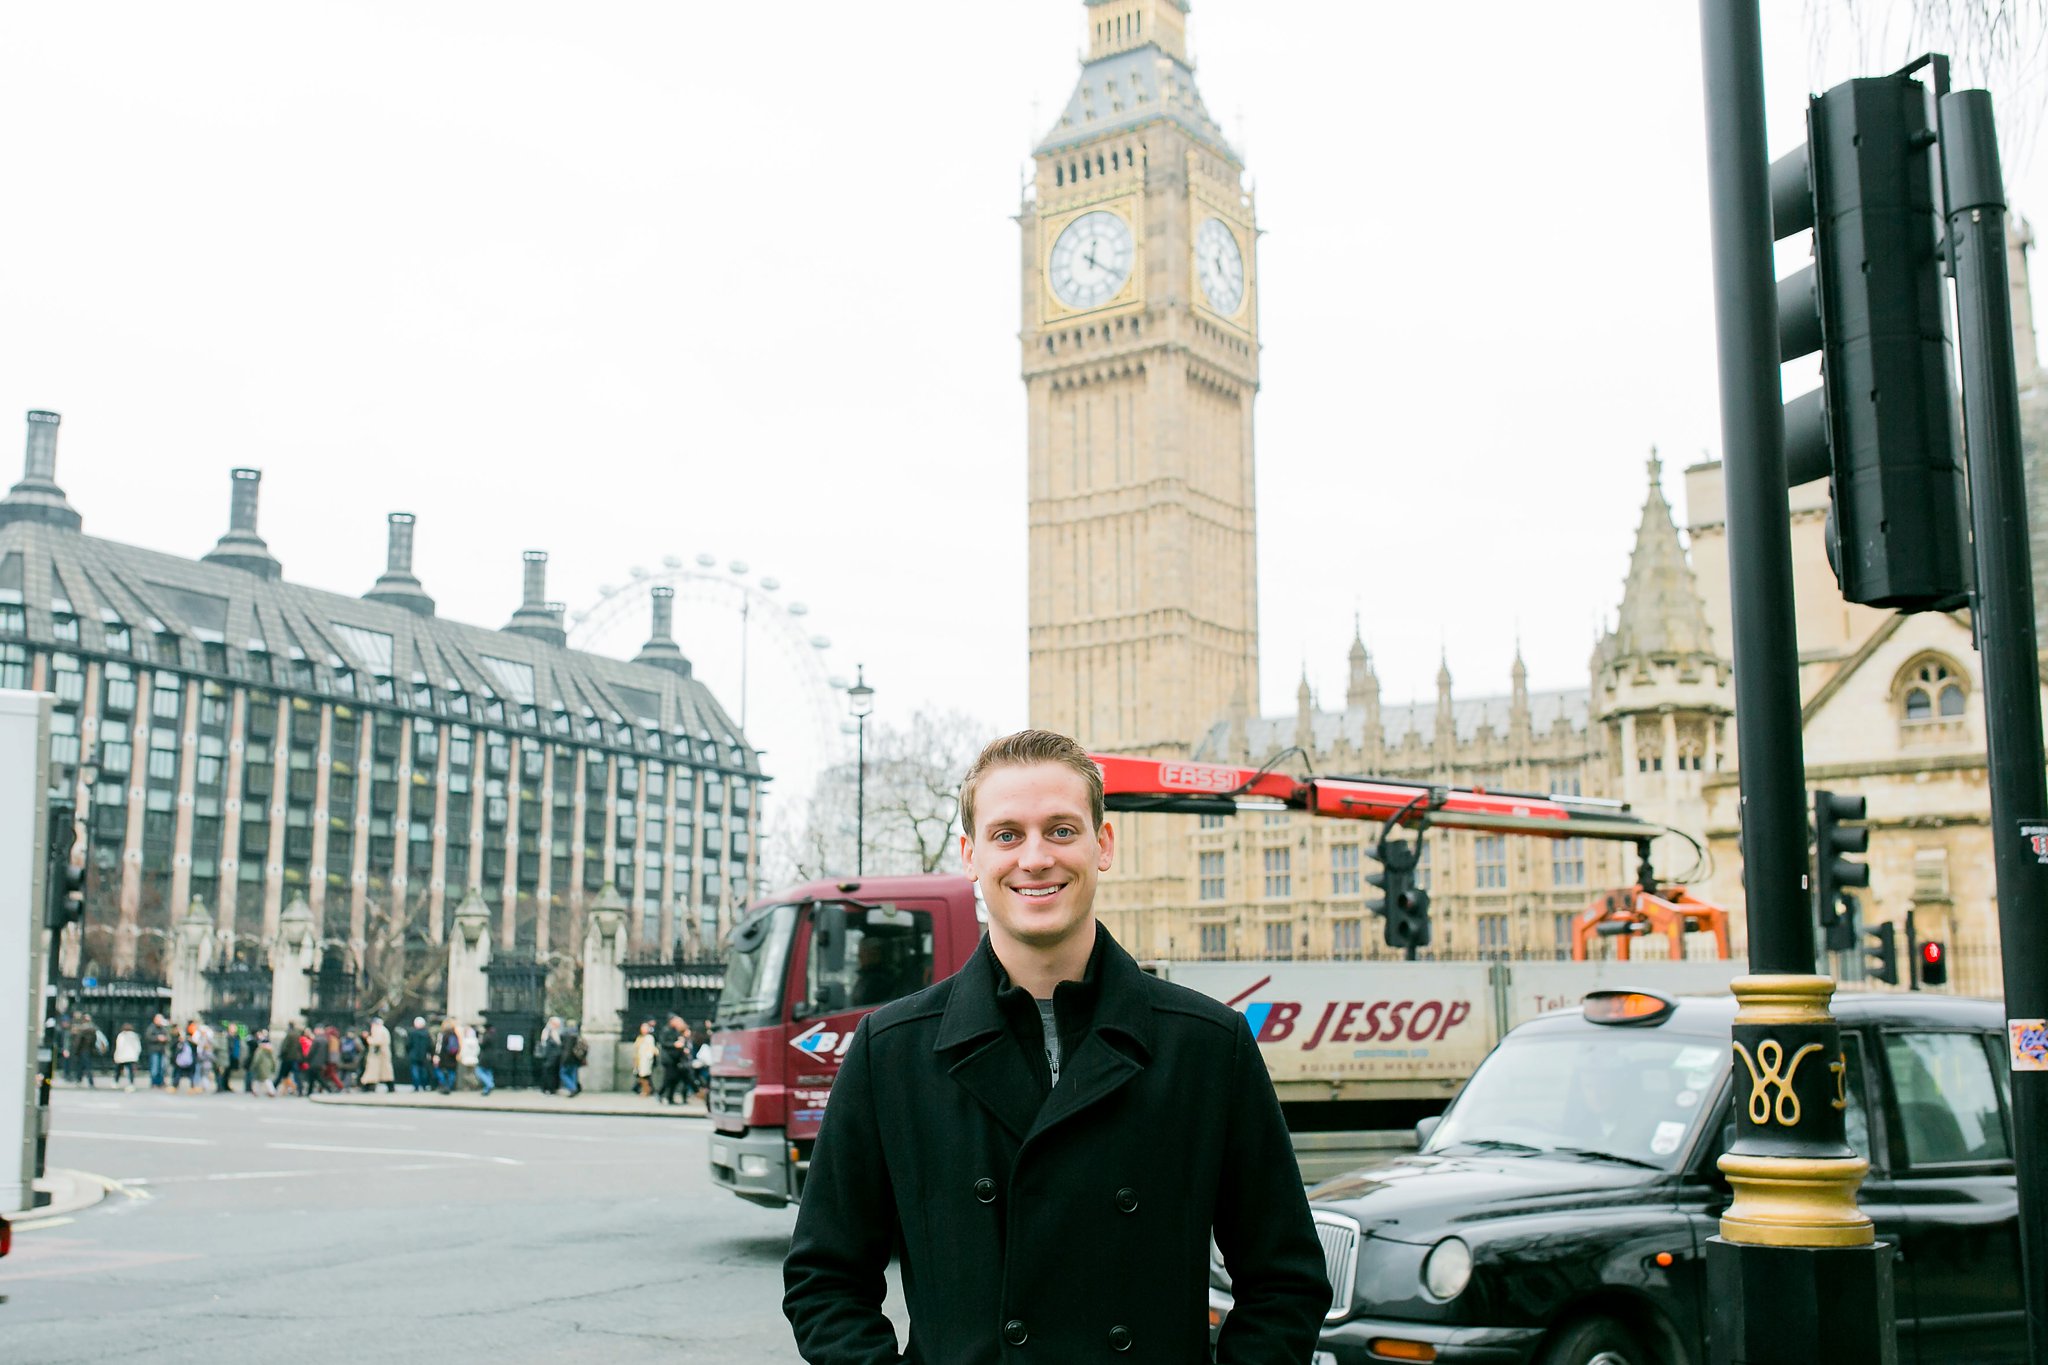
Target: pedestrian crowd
point(326, 1059)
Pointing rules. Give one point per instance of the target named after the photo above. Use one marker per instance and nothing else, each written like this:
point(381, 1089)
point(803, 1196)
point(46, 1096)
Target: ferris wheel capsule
point(770, 584)
point(738, 566)
point(706, 561)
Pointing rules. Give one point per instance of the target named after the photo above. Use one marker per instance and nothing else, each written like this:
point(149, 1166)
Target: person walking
point(486, 1055)
point(1048, 1139)
point(547, 1056)
point(447, 1057)
point(229, 1050)
point(678, 1060)
point(349, 1048)
point(645, 1051)
point(377, 1064)
point(575, 1052)
point(305, 1063)
point(203, 1044)
point(127, 1051)
point(156, 1042)
point(468, 1052)
point(184, 1059)
point(85, 1036)
point(263, 1066)
point(419, 1053)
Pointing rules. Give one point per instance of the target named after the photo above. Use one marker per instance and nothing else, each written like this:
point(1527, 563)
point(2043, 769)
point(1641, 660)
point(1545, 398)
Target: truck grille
point(1339, 1236)
point(728, 1093)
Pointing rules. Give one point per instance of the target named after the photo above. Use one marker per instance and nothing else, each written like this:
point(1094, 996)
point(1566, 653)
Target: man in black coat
point(1048, 1139)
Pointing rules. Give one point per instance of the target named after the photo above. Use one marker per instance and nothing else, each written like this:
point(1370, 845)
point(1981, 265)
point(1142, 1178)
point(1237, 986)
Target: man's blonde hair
point(1025, 747)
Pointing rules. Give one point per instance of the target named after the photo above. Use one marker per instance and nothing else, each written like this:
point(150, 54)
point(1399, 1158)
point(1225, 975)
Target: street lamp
point(860, 700)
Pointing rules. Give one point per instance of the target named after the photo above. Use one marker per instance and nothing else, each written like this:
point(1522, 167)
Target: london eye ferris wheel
point(758, 651)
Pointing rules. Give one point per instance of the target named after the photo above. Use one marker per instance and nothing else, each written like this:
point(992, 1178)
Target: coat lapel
point(995, 1074)
point(1097, 1070)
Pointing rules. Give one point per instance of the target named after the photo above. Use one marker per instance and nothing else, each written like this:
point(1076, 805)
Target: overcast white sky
point(624, 281)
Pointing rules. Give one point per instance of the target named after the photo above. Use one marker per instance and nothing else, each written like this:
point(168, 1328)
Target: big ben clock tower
point(1140, 360)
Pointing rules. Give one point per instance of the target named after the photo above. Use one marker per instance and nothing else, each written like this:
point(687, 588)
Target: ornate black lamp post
point(860, 701)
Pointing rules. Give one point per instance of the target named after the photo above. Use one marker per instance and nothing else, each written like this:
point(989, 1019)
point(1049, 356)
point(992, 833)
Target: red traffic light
point(1933, 963)
point(1930, 953)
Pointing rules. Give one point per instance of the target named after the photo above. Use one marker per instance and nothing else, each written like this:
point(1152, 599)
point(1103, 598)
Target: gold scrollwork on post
point(1769, 1070)
point(1840, 1066)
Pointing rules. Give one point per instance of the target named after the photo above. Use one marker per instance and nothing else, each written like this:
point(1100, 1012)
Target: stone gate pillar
point(292, 955)
point(191, 954)
point(469, 952)
point(604, 987)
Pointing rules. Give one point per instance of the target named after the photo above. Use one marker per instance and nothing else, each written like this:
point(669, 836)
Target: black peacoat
point(1062, 1231)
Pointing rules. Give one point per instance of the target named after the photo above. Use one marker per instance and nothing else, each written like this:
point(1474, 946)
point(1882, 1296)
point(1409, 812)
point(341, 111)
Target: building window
point(1280, 938)
point(1215, 940)
point(14, 666)
point(1561, 931)
point(1933, 692)
point(1279, 873)
point(1212, 877)
point(1275, 817)
point(1347, 938)
point(1211, 821)
point(1344, 869)
point(1493, 933)
point(1566, 782)
point(1930, 874)
point(1568, 862)
point(1490, 862)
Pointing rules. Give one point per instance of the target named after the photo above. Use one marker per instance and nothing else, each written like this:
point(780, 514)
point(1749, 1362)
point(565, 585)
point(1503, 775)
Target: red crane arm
point(1138, 784)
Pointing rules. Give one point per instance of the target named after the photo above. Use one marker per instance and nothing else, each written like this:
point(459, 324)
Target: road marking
point(390, 1151)
point(330, 1124)
point(43, 1223)
point(295, 1175)
point(550, 1137)
point(135, 1137)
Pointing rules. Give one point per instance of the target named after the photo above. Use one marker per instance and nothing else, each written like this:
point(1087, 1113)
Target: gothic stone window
point(1279, 873)
point(1933, 692)
point(1490, 862)
point(1212, 876)
point(1344, 869)
point(1215, 940)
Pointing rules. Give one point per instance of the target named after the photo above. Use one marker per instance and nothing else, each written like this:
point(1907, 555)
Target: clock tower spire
point(1140, 360)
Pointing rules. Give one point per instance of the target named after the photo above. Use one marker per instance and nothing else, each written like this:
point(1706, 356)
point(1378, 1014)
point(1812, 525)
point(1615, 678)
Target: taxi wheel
point(1596, 1341)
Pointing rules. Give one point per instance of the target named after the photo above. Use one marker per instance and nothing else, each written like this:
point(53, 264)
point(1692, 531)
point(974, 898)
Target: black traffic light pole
point(2003, 613)
point(1796, 1276)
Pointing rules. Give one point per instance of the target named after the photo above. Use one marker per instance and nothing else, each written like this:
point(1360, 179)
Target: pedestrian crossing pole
point(1796, 1276)
point(24, 820)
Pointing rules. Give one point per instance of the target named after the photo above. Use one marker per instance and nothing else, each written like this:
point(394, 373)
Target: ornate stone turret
point(1446, 723)
point(1305, 716)
point(661, 649)
point(241, 548)
point(37, 497)
point(1518, 701)
point(1661, 692)
point(397, 586)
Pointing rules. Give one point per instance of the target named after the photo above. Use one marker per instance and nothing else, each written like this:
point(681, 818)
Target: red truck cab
point(805, 965)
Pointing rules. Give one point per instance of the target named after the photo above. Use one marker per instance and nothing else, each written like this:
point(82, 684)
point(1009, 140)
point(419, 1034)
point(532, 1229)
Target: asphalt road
point(249, 1230)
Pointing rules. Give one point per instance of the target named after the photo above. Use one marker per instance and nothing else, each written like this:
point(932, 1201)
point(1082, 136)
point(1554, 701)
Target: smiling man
point(1048, 1139)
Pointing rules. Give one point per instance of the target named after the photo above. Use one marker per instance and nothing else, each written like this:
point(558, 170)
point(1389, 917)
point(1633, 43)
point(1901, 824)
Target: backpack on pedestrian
point(579, 1052)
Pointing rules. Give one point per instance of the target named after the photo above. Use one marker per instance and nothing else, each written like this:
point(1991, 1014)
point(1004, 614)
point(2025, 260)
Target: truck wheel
point(1596, 1341)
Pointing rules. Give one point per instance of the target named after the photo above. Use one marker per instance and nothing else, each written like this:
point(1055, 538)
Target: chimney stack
point(534, 617)
point(660, 649)
point(397, 587)
point(37, 497)
point(241, 548)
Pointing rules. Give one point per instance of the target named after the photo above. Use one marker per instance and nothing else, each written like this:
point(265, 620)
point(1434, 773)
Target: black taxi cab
point(1558, 1212)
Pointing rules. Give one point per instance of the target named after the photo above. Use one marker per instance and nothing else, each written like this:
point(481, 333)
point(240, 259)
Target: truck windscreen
point(754, 970)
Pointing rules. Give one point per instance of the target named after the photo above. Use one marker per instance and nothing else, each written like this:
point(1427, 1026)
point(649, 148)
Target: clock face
point(1219, 265)
point(1091, 259)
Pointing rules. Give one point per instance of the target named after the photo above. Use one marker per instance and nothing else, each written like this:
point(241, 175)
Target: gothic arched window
point(1932, 690)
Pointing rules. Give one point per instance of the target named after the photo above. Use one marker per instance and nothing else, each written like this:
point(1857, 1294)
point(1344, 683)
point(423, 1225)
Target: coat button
point(985, 1190)
point(1119, 1338)
point(1127, 1199)
point(1014, 1333)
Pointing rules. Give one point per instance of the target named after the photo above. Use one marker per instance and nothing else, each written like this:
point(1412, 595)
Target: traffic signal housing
point(1834, 838)
point(1933, 963)
point(1882, 427)
point(1881, 954)
point(1405, 906)
point(64, 885)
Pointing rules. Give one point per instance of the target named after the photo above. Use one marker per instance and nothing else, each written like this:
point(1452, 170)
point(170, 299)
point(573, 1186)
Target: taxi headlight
point(1447, 1269)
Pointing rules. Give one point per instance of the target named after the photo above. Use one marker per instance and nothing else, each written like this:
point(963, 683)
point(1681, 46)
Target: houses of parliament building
point(1140, 360)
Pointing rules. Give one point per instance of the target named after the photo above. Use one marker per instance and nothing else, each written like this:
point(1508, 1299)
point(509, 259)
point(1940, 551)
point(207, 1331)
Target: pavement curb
point(606, 1106)
point(70, 1192)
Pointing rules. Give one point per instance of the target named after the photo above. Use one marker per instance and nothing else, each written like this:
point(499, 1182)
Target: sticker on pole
point(2034, 833)
point(2029, 1044)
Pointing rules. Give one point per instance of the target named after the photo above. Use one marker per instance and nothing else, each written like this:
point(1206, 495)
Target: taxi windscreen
point(1632, 1097)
